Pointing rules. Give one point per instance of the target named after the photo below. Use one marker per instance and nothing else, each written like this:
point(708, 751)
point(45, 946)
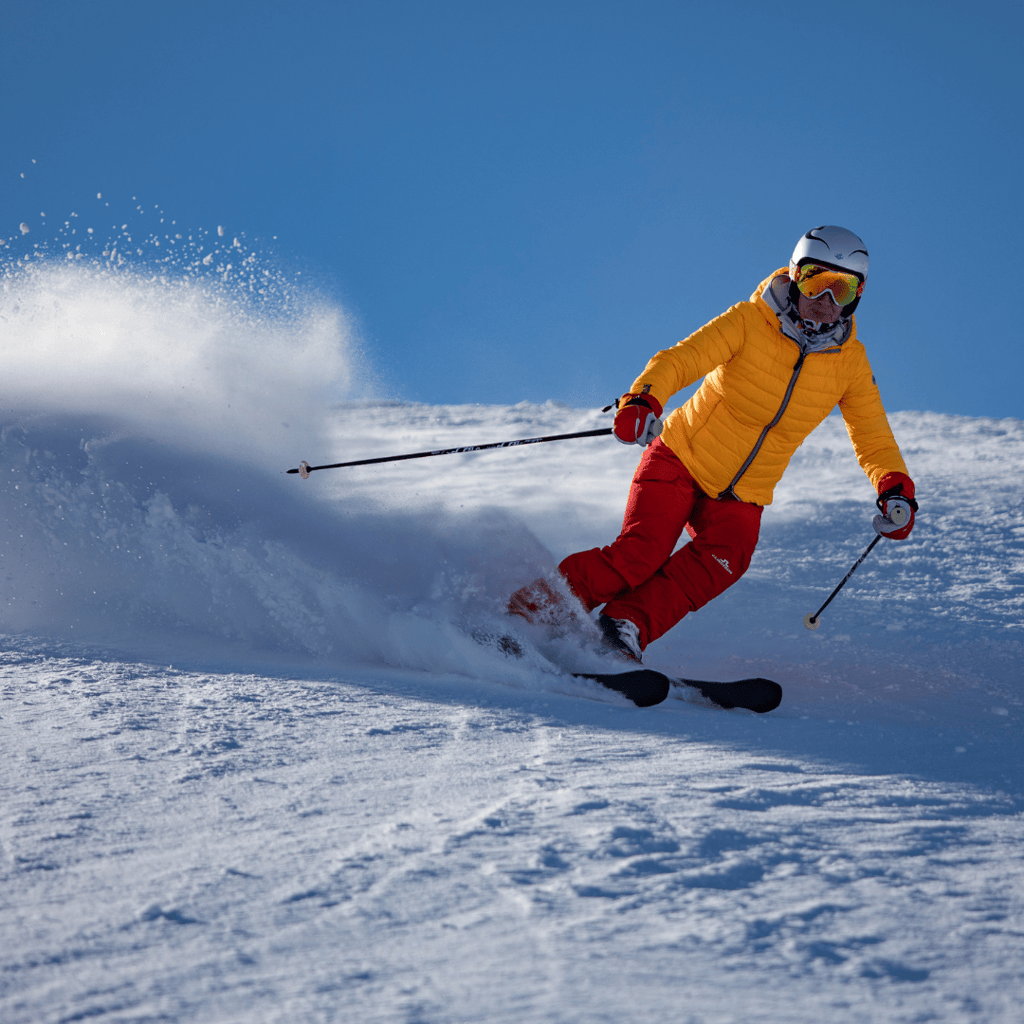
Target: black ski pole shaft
point(305, 468)
point(811, 621)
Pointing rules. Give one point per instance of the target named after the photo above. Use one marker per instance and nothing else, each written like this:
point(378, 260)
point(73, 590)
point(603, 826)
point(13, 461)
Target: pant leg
point(724, 537)
point(661, 500)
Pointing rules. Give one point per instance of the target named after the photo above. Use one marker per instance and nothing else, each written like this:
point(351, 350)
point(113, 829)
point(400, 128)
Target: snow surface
point(256, 768)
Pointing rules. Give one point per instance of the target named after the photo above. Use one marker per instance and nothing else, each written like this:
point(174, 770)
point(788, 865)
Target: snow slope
point(255, 767)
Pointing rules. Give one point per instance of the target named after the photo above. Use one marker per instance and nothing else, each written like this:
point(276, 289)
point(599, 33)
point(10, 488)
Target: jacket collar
point(774, 292)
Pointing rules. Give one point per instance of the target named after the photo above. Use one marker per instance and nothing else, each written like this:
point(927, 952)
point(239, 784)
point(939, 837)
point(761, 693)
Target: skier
point(773, 369)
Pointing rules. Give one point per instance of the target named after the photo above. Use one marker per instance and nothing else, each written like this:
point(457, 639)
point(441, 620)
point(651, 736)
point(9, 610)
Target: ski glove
point(637, 421)
point(897, 506)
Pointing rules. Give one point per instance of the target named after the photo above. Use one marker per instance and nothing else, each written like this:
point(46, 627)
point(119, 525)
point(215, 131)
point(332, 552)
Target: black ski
point(645, 688)
point(760, 695)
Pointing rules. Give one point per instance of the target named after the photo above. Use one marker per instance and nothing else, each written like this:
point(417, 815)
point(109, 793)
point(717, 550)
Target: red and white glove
point(638, 419)
point(897, 506)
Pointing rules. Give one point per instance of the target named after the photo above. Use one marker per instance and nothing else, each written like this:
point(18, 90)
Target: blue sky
point(526, 200)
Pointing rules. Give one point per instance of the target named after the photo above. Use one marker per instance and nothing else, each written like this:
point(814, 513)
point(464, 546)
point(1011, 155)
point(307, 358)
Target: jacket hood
point(772, 298)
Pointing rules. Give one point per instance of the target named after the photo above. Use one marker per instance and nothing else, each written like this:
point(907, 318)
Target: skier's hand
point(897, 506)
point(637, 421)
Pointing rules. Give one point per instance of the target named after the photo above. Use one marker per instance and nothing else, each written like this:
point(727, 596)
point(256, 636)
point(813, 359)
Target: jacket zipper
point(729, 492)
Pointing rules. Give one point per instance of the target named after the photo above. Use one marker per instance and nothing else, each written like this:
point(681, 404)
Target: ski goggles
point(814, 280)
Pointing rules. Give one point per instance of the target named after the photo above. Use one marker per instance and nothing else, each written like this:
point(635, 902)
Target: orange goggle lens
point(814, 280)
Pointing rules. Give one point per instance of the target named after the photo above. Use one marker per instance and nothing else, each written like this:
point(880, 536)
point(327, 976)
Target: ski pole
point(812, 621)
point(305, 468)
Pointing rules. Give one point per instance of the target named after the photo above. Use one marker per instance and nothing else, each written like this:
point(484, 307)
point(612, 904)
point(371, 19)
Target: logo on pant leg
point(724, 563)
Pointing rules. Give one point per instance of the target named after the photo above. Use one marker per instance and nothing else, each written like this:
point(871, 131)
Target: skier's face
point(823, 308)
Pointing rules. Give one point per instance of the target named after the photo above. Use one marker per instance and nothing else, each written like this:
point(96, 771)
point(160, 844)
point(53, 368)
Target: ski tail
point(644, 687)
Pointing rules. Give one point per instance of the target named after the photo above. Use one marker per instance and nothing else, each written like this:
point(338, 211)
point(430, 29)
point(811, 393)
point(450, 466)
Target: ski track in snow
point(255, 768)
point(230, 847)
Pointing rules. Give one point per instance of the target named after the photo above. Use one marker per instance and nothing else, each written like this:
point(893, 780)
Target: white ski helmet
point(835, 247)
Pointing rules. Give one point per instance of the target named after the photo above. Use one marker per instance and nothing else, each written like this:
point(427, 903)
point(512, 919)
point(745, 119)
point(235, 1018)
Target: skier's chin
point(827, 314)
point(822, 309)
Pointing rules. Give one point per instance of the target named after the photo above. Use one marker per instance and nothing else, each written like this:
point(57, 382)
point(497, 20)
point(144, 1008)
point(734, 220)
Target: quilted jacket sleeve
point(675, 368)
point(868, 426)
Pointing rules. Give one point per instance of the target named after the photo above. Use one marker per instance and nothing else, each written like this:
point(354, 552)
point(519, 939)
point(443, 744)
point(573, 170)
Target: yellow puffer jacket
point(761, 397)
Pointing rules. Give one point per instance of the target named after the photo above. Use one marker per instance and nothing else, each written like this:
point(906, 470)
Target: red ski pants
point(637, 577)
